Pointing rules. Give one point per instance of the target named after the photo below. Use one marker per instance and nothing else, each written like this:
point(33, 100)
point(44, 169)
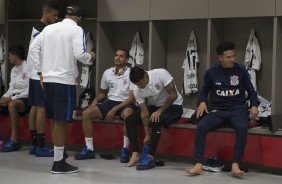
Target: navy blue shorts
point(60, 101)
point(5, 111)
point(109, 104)
point(35, 93)
point(171, 114)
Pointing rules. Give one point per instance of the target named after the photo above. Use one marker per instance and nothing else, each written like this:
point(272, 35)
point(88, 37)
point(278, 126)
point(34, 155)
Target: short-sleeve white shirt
point(155, 91)
point(118, 86)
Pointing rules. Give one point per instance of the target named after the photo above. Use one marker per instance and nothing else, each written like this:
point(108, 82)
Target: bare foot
point(196, 170)
point(133, 160)
point(236, 170)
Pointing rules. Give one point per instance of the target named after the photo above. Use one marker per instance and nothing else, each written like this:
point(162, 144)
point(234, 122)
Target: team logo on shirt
point(157, 86)
point(234, 80)
point(125, 81)
point(24, 76)
point(111, 84)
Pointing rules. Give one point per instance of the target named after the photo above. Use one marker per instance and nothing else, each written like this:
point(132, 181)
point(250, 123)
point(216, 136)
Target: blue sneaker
point(144, 152)
point(44, 152)
point(11, 146)
point(32, 150)
point(124, 155)
point(85, 154)
point(147, 163)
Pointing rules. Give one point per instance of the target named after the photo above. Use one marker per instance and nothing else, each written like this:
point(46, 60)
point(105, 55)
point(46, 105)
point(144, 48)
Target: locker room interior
point(165, 27)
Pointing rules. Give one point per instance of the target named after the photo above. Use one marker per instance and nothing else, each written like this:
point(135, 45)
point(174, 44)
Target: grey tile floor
point(21, 168)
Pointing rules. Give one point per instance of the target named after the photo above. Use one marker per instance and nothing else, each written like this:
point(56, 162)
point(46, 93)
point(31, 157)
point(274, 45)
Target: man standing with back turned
point(60, 45)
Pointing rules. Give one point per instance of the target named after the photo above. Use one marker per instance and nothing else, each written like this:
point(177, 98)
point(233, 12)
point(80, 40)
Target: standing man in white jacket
point(14, 101)
point(60, 46)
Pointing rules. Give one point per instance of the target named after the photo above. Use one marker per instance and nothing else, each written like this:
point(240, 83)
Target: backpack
point(86, 98)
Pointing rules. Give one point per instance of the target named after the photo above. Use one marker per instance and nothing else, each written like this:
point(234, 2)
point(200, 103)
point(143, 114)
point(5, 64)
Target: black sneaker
point(207, 164)
point(61, 167)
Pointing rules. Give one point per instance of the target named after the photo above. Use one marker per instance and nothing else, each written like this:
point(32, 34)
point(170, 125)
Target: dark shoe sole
point(85, 158)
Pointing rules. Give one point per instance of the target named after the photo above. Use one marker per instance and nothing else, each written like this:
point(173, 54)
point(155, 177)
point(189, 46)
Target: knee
point(241, 128)
point(129, 120)
point(87, 114)
point(126, 113)
point(12, 107)
point(202, 128)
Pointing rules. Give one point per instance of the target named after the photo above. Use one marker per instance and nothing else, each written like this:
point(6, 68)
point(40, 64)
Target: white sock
point(58, 153)
point(89, 143)
point(125, 142)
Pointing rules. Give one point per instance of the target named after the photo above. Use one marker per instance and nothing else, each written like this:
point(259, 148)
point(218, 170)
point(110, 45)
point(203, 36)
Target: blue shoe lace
point(146, 160)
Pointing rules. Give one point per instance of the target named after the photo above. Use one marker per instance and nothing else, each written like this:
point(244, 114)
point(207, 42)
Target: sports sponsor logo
point(228, 92)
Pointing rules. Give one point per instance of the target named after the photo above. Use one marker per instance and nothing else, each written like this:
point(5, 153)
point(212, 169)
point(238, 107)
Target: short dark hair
point(224, 46)
point(17, 50)
point(50, 5)
point(124, 50)
point(136, 74)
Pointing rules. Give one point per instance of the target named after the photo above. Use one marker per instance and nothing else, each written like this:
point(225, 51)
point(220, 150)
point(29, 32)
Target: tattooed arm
point(172, 96)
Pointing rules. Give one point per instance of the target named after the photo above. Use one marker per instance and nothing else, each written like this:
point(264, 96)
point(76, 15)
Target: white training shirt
point(190, 81)
point(136, 51)
point(253, 57)
point(18, 87)
point(33, 73)
point(155, 91)
point(61, 45)
point(118, 86)
point(85, 69)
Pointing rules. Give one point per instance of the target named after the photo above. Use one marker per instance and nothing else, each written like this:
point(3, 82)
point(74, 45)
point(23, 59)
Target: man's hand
point(93, 56)
point(155, 117)
point(41, 81)
point(4, 101)
point(201, 109)
point(254, 112)
point(93, 104)
point(110, 114)
point(146, 139)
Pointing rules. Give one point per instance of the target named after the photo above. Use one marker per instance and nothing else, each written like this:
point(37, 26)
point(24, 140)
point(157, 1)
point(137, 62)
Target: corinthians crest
point(234, 80)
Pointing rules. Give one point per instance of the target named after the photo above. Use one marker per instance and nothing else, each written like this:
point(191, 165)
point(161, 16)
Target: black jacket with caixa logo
point(227, 87)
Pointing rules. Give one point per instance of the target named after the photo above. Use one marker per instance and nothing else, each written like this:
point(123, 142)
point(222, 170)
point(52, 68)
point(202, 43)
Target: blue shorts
point(35, 93)
point(171, 114)
point(109, 104)
point(5, 111)
point(60, 101)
